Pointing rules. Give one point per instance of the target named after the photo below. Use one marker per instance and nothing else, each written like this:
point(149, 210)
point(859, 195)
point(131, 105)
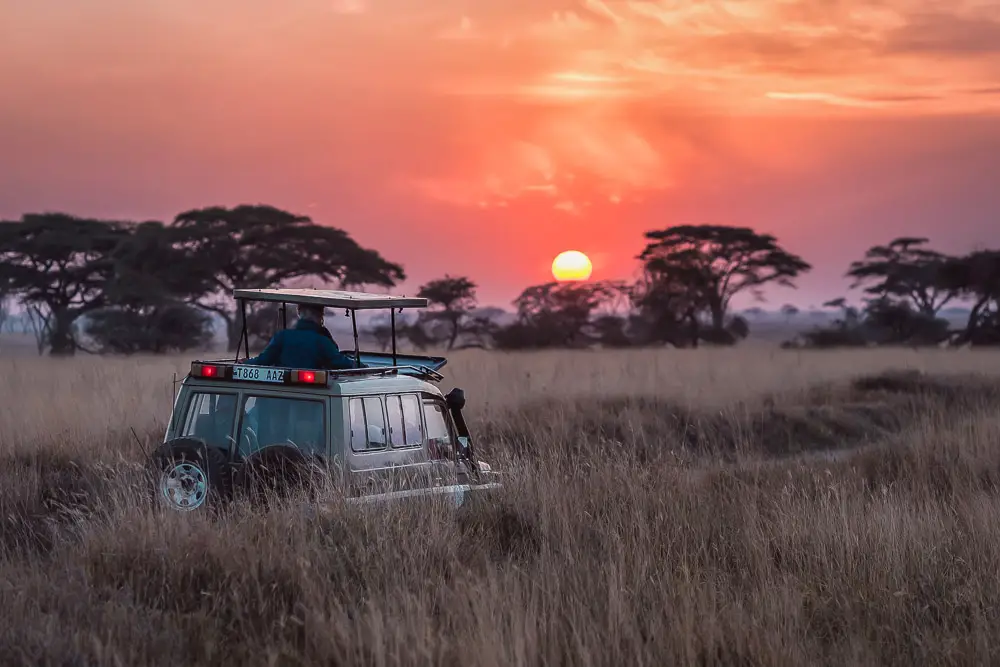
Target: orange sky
point(483, 137)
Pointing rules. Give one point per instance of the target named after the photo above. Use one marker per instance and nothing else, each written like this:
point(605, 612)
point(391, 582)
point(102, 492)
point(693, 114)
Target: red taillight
point(207, 371)
point(309, 377)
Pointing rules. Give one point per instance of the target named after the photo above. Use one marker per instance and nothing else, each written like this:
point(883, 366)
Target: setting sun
point(571, 265)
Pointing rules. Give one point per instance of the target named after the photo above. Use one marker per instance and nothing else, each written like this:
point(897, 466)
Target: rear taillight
point(309, 377)
point(207, 371)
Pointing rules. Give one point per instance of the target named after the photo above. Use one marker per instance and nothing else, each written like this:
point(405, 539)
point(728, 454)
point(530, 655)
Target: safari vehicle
point(379, 432)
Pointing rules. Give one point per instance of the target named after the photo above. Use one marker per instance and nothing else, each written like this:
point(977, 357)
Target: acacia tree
point(904, 269)
point(262, 246)
point(668, 304)
point(151, 267)
point(58, 265)
point(718, 262)
point(555, 314)
point(452, 300)
point(977, 277)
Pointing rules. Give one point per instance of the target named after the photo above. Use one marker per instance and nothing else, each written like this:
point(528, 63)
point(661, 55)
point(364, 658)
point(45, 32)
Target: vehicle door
point(387, 451)
point(271, 419)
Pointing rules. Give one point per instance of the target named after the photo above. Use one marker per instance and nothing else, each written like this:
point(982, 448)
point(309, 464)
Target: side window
point(412, 421)
point(439, 442)
point(283, 421)
point(377, 436)
point(404, 421)
point(359, 438)
point(210, 418)
point(368, 427)
point(394, 411)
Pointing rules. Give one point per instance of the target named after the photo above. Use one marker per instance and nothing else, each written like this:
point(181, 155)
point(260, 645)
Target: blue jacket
point(303, 346)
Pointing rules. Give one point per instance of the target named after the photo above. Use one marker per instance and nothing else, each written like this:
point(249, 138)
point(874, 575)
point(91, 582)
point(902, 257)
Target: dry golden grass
point(662, 507)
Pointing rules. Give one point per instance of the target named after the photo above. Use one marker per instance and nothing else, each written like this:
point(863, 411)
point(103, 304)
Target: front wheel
point(190, 475)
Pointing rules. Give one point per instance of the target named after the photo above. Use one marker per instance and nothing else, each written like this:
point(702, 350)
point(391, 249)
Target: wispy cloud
point(860, 101)
point(827, 98)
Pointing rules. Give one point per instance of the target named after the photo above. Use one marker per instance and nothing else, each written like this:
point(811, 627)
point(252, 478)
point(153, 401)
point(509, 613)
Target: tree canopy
point(147, 298)
point(977, 277)
point(557, 314)
point(59, 265)
point(151, 267)
point(451, 300)
point(262, 246)
point(715, 263)
point(904, 269)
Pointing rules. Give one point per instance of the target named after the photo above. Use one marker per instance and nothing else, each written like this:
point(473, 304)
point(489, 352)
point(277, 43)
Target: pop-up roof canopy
point(350, 301)
point(331, 298)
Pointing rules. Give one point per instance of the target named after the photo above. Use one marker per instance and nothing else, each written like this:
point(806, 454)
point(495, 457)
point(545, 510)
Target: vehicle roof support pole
point(246, 332)
point(284, 315)
point(243, 330)
point(357, 346)
point(392, 320)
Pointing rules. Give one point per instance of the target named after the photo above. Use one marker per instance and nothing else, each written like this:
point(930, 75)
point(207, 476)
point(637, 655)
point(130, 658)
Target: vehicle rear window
point(210, 418)
point(283, 421)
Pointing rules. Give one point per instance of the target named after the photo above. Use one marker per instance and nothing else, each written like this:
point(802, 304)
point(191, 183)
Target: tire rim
point(184, 486)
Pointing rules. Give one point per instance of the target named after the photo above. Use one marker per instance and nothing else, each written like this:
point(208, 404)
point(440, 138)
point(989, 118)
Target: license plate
point(259, 374)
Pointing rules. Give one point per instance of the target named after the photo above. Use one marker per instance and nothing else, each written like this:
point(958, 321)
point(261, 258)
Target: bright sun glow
point(571, 265)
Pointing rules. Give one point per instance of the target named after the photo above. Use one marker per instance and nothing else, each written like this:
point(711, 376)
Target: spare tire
point(190, 475)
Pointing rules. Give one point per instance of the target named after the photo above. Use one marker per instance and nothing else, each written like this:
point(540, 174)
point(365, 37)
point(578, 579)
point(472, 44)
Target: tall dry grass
point(661, 507)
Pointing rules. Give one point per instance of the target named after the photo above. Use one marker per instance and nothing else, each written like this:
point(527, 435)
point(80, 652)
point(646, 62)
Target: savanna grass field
point(740, 506)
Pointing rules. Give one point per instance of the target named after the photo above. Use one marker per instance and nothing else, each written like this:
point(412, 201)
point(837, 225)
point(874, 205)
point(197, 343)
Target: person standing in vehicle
point(306, 345)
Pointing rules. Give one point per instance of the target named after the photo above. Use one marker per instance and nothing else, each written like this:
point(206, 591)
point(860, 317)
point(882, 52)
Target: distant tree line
point(150, 286)
point(906, 285)
point(111, 286)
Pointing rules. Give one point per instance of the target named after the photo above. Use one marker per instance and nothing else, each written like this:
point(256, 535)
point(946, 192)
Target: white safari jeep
point(380, 432)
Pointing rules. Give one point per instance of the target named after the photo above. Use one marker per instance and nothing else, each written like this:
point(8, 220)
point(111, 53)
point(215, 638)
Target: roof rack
point(419, 371)
point(403, 369)
point(351, 301)
point(331, 298)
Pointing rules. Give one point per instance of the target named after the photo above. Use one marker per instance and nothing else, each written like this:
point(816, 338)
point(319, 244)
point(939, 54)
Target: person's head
point(308, 311)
